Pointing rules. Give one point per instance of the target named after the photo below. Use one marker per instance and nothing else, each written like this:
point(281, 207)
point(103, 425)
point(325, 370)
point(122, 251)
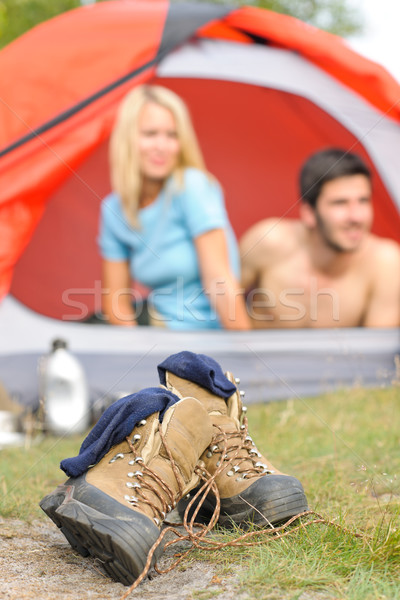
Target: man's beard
point(326, 234)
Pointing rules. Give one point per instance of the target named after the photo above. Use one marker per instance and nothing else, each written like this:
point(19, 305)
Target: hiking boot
point(114, 511)
point(251, 489)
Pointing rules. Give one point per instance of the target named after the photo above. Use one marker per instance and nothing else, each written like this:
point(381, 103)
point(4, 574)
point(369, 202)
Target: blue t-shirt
point(161, 251)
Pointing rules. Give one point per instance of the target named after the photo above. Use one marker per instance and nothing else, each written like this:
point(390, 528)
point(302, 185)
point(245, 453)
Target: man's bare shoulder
point(383, 263)
point(272, 237)
point(384, 252)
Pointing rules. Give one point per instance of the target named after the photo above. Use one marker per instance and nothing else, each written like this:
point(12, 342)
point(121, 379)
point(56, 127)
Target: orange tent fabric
point(60, 87)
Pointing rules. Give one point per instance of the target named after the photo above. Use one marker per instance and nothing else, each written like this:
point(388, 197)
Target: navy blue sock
point(115, 424)
point(200, 369)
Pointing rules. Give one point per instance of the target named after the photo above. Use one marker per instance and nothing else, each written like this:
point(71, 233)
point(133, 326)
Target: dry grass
point(344, 447)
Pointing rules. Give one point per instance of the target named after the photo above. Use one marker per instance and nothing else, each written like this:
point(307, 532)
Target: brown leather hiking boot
point(251, 489)
point(115, 510)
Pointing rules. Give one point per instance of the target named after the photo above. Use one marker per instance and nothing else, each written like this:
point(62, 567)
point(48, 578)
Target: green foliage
point(336, 16)
point(18, 16)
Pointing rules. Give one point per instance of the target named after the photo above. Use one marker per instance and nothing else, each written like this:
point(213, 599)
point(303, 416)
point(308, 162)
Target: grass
point(345, 449)
point(27, 474)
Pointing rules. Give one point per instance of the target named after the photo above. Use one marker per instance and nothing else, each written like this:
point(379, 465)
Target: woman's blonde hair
point(124, 163)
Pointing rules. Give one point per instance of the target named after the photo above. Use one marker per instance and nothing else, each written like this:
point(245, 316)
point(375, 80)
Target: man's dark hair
point(325, 166)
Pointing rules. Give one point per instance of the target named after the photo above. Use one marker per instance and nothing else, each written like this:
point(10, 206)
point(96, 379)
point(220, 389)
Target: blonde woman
point(165, 224)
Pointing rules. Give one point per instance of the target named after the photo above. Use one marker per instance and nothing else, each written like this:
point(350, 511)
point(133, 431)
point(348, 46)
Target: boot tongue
point(183, 388)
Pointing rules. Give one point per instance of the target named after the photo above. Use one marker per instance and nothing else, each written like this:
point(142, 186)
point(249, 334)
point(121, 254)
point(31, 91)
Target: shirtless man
point(326, 269)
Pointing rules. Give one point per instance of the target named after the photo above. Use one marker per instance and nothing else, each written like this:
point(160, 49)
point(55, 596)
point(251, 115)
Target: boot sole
point(49, 504)
point(121, 545)
point(269, 501)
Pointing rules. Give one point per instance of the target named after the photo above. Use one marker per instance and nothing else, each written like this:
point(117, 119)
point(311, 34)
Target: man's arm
point(248, 267)
point(261, 246)
point(253, 252)
point(384, 305)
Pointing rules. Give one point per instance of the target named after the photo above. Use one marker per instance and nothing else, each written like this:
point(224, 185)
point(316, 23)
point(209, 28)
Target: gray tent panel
point(272, 364)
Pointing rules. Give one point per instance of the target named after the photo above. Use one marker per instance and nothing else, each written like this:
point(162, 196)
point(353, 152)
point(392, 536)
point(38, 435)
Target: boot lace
point(147, 485)
point(238, 449)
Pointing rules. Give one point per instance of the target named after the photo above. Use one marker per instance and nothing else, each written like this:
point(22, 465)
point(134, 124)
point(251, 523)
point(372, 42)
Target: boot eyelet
point(129, 484)
point(255, 452)
point(156, 521)
point(136, 437)
point(230, 473)
point(138, 474)
point(244, 409)
point(242, 393)
point(211, 450)
point(119, 455)
point(131, 474)
point(138, 459)
point(237, 380)
point(242, 427)
point(142, 422)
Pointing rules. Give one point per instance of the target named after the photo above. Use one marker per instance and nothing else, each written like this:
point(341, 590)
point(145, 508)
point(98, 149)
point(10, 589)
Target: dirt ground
point(36, 562)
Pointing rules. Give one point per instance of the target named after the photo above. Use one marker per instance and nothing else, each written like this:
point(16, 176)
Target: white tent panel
point(289, 72)
point(272, 364)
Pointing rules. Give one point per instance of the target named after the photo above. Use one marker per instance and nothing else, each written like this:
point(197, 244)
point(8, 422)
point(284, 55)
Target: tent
point(272, 365)
point(265, 90)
